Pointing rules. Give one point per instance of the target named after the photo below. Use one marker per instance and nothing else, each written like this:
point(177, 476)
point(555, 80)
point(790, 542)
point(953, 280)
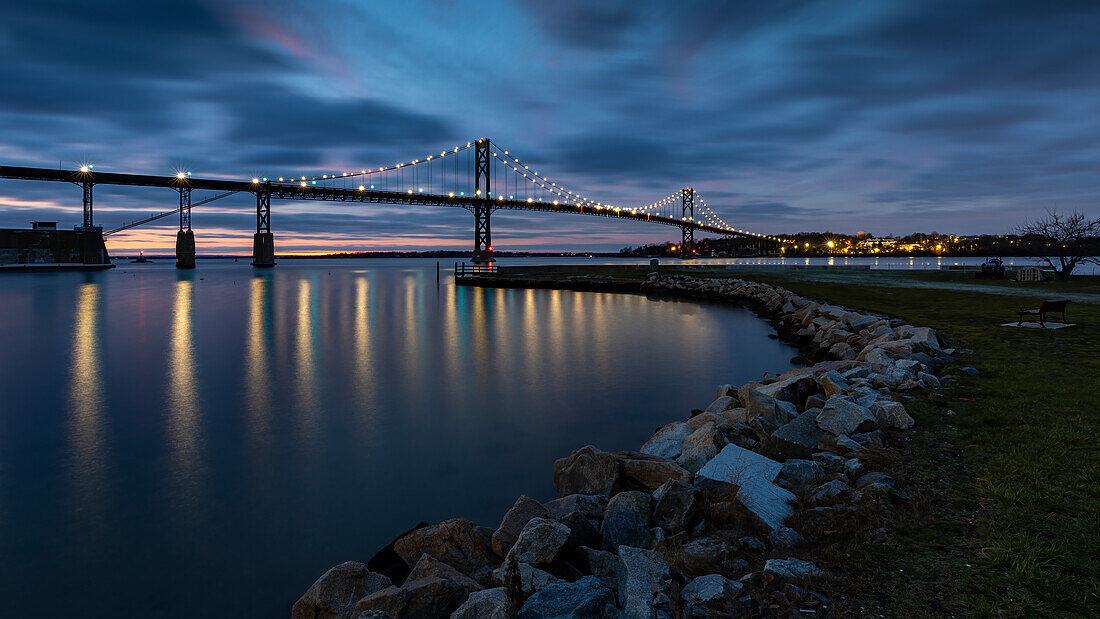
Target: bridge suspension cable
point(450, 173)
point(138, 222)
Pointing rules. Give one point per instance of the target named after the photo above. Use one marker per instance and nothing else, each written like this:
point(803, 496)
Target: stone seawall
point(707, 519)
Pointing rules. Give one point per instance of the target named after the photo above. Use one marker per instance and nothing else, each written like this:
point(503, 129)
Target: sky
point(885, 116)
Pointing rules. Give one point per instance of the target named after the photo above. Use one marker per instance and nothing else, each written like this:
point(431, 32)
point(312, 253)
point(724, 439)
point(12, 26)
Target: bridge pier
point(263, 242)
point(185, 238)
point(185, 249)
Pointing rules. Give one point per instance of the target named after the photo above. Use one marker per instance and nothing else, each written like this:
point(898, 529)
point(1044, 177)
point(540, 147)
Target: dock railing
point(468, 270)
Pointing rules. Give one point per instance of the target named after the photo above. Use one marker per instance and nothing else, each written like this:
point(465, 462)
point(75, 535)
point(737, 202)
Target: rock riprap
point(707, 518)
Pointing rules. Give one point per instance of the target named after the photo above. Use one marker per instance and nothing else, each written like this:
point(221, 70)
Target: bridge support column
point(483, 235)
point(185, 238)
point(263, 242)
point(86, 184)
point(687, 231)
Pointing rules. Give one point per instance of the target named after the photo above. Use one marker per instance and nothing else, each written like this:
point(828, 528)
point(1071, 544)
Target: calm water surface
point(207, 443)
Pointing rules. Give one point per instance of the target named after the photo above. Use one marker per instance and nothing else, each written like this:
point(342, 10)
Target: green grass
point(1010, 485)
point(1002, 514)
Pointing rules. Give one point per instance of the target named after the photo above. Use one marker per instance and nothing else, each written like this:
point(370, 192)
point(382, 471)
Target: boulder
point(881, 479)
point(524, 509)
point(696, 557)
point(626, 521)
point(487, 604)
point(668, 441)
point(829, 492)
point(722, 403)
point(676, 506)
point(601, 564)
point(843, 417)
point(735, 465)
point(801, 472)
point(430, 566)
point(928, 381)
point(712, 592)
point(539, 541)
point(797, 438)
point(588, 505)
point(761, 405)
point(838, 335)
point(531, 579)
point(845, 444)
point(833, 383)
point(784, 538)
point(791, 569)
point(640, 470)
point(814, 401)
point(644, 578)
point(586, 471)
point(459, 543)
point(581, 531)
point(698, 447)
point(925, 337)
point(388, 563)
point(842, 350)
point(334, 594)
point(591, 471)
point(874, 438)
point(424, 597)
point(828, 461)
point(754, 473)
point(702, 419)
point(585, 598)
point(852, 467)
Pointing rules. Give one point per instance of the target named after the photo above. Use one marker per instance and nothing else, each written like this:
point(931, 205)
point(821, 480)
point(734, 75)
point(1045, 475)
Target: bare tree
point(1072, 238)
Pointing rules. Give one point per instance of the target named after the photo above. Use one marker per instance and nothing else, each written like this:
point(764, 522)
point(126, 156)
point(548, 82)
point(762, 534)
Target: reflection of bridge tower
point(687, 239)
point(483, 237)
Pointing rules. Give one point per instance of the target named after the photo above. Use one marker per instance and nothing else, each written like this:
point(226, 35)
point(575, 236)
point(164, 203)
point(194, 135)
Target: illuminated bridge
point(480, 177)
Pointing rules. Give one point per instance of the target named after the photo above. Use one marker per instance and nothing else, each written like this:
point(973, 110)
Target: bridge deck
point(290, 191)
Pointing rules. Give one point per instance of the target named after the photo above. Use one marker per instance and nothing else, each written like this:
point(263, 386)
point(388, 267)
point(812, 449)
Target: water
point(207, 443)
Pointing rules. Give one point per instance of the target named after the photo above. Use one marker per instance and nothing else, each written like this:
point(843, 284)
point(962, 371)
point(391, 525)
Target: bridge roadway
point(263, 241)
point(291, 191)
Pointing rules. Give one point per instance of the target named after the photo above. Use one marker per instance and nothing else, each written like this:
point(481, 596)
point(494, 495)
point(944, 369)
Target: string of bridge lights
point(714, 220)
point(534, 177)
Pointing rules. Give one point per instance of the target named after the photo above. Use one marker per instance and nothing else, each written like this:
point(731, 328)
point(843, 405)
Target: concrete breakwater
point(711, 517)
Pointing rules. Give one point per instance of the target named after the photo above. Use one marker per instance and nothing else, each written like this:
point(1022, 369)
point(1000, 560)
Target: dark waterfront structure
point(44, 247)
point(480, 177)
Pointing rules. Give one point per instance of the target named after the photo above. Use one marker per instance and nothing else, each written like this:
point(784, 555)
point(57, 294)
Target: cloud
point(795, 114)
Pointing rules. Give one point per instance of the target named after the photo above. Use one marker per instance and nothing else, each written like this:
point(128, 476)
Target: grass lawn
point(1003, 509)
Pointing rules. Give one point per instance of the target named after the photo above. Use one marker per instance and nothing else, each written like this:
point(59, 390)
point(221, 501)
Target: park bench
point(1039, 314)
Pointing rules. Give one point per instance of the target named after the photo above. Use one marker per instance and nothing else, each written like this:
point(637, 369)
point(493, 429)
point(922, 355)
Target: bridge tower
point(687, 237)
point(263, 242)
point(483, 237)
point(185, 238)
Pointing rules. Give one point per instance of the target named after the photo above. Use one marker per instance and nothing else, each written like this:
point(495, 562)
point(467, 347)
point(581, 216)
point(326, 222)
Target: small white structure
point(1029, 274)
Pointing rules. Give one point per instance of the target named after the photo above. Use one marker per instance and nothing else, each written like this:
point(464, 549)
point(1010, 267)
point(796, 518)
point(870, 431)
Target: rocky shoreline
point(707, 519)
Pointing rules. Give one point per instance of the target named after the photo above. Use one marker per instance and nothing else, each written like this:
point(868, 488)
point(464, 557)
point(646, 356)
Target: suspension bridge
point(479, 176)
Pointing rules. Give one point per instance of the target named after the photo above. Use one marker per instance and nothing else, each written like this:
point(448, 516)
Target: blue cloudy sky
point(886, 116)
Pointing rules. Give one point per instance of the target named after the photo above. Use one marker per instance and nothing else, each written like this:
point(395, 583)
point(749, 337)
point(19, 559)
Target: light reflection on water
point(228, 431)
point(184, 414)
point(87, 426)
